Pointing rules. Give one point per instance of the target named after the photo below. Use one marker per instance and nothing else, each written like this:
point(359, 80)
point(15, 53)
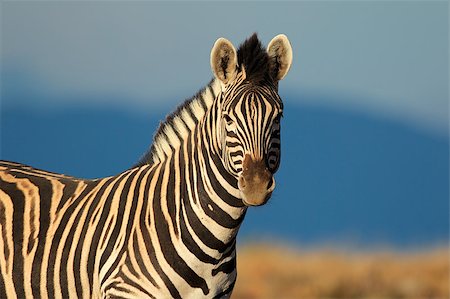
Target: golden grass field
point(275, 272)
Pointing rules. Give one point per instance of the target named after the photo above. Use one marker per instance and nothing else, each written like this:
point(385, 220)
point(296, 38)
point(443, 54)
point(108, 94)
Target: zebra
point(165, 228)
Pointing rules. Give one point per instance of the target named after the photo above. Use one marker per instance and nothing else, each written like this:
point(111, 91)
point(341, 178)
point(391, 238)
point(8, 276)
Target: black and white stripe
point(165, 228)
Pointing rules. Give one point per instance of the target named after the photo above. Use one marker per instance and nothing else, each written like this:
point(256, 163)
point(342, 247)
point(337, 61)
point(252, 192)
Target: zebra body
point(167, 227)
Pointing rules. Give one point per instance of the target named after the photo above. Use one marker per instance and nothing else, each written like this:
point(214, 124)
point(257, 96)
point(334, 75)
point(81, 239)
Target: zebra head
point(250, 111)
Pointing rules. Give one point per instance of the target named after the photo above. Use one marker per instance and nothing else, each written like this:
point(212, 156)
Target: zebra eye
point(278, 118)
point(228, 119)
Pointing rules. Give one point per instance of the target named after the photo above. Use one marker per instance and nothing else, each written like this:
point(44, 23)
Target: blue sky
point(388, 59)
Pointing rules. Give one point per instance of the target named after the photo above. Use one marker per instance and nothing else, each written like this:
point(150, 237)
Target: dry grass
point(269, 272)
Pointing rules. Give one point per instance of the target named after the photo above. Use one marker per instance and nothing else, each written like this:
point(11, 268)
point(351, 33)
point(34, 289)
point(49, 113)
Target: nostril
point(242, 182)
point(270, 184)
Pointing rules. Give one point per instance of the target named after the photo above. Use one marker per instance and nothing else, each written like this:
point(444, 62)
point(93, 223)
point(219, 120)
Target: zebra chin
point(256, 183)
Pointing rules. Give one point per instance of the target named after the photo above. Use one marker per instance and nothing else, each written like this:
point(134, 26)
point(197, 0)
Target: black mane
point(254, 58)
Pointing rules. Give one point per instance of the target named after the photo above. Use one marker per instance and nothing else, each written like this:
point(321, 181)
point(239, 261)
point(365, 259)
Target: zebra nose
point(256, 182)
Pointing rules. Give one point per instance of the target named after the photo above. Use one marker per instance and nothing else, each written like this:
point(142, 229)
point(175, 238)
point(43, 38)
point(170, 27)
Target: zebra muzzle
point(256, 182)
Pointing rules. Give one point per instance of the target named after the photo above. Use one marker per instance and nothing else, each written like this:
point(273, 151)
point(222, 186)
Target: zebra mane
point(252, 56)
point(179, 123)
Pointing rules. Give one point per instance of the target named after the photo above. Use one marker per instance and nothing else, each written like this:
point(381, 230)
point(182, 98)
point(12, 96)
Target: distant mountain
point(344, 177)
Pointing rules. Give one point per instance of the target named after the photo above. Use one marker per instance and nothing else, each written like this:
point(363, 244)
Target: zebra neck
point(218, 192)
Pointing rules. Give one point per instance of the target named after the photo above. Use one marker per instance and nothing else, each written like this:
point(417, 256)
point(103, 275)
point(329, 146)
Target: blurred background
point(361, 207)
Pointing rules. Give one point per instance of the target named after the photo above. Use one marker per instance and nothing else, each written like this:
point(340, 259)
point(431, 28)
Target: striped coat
point(166, 228)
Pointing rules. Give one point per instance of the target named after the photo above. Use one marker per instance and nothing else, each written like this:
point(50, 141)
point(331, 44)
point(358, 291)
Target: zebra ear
point(280, 56)
point(224, 60)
